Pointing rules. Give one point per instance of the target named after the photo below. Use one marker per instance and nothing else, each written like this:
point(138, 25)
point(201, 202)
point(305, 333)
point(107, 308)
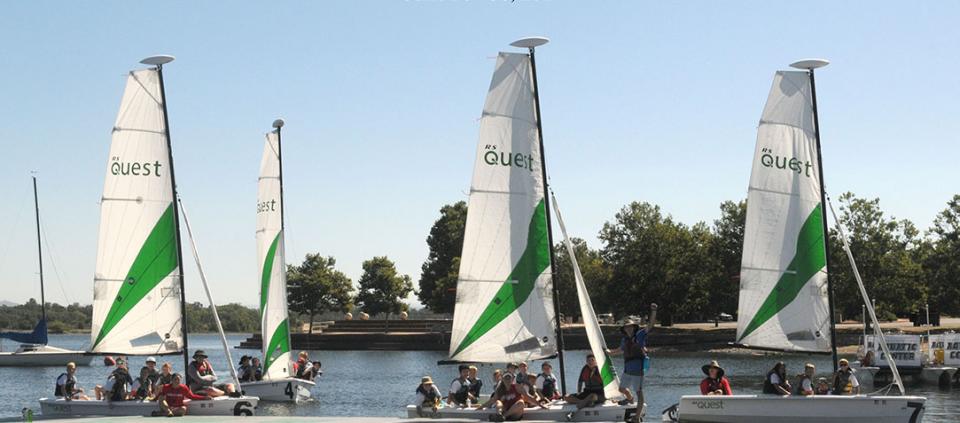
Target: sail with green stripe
point(504, 308)
point(272, 271)
point(783, 274)
point(136, 295)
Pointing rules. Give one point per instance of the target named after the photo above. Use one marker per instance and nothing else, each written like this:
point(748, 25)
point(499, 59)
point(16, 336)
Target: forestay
point(783, 277)
point(598, 346)
point(274, 325)
point(504, 307)
point(136, 295)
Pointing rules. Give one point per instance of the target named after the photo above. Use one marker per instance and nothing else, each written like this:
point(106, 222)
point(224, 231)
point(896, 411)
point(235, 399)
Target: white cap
point(149, 359)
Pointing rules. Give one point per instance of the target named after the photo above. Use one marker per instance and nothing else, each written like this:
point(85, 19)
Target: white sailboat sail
point(783, 275)
point(136, 297)
point(598, 346)
point(504, 308)
point(274, 325)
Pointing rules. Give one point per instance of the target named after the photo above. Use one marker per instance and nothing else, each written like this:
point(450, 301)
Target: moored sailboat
point(279, 383)
point(138, 301)
point(785, 296)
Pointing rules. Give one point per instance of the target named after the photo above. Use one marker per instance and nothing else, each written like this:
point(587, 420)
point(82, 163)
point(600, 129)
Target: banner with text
point(949, 344)
point(905, 350)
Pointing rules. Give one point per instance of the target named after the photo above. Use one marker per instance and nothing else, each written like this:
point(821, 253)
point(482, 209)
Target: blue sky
point(646, 101)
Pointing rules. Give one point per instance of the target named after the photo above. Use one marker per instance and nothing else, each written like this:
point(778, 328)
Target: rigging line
point(51, 253)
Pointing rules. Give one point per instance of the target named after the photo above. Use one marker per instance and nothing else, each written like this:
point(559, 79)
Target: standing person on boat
point(427, 395)
point(475, 382)
point(715, 383)
point(202, 379)
point(459, 394)
point(633, 346)
point(805, 380)
point(509, 399)
point(845, 381)
point(776, 382)
point(589, 386)
point(172, 397)
point(66, 387)
point(547, 382)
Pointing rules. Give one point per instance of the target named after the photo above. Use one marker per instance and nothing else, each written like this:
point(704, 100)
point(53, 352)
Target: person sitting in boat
point(151, 364)
point(142, 388)
point(512, 368)
point(547, 383)
point(475, 382)
point(244, 370)
point(530, 389)
point(459, 394)
point(315, 370)
point(823, 387)
point(203, 380)
point(165, 377)
point(428, 396)
point(715, 383)
point(257, 368)
point(66, 386)
point(302, 367)
point(805, 380)
point(498, 376)
point(633, 346)
point(173, 396)
point(845, 381)
point(521, 374)
point(776, 382)
point(509, 400)
point(118, 383)
point(589, 386)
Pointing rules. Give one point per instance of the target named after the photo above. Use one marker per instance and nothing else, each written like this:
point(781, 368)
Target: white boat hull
point(933, 375)
point(221, 406)
point(799, 409)
point(284, 390)
point(608, 412)
point(44, 356)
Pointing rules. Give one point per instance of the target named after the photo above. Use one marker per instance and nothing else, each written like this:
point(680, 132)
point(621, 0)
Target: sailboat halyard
point(785, 294)
point(139, 305)
point(34, 350)
point(279, 383)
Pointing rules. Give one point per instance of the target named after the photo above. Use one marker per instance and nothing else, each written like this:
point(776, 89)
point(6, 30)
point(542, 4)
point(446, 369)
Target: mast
point(159, 61)
point(809, 66)
point(36, 209)
point(278, 124)
point(531, 44)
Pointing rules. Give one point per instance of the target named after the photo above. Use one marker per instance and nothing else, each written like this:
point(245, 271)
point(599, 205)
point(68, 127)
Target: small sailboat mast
point(43, 300)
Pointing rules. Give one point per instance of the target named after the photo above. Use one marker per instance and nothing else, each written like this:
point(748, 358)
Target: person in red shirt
point(173, 397)
point(509, 399)
point(715, 383)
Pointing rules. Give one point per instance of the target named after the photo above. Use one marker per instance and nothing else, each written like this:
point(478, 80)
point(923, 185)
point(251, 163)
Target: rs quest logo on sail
point(769, 159)
point(495, 157)
point(120, 167)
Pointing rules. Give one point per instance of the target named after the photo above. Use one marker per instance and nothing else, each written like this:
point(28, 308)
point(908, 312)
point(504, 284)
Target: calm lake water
point(381, 383)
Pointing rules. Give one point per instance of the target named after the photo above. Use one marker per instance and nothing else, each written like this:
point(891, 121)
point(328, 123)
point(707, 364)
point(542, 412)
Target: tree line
point(692, 271)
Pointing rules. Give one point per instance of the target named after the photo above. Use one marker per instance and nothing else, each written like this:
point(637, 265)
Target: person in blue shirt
point(633, 346)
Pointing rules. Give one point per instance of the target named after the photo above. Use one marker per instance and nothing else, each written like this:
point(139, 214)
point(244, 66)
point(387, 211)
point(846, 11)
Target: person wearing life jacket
point(547, 382)
point(154, 374)
point(118, 383)
point(589, 386)
point(776, 383)
point(203, 380)
point(165, 377)
point(172, 397)
point(244, 371)
point(805, 381)
point(633, 346)
point(459, 394)
point(143, 385)
point(66, 386)
point(257, 368)
point(715, 383)
point(845, 381)
point(302, 367)
point(509, 399)
point(475, 382)
point(521, 375)
point(428, 396)
point(823, 387)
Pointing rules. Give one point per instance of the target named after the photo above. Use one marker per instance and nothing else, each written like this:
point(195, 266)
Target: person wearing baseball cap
point(154, 374)
point(845, 381)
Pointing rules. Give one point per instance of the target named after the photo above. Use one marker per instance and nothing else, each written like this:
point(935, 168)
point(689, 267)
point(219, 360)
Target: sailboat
point(138, 295)
point(279, 383)
point(506, 306)
point(33, 349)
point(785, 294)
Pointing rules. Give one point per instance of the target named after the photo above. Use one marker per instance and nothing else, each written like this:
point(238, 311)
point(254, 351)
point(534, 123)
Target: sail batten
point(504, 307)
point(137, 304)
point(783, 276)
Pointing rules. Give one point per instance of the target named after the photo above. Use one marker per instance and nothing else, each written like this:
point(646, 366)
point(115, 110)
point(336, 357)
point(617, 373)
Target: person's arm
point(529, 399)
point(189, 394)
point(725, 385)
point(493, 400)
point(855, 384)
point(705, 387)
point(653, 317)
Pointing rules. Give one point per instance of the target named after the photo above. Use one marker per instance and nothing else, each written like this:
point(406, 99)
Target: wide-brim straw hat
point(630, 322)
point(426, 379)
point(713, 365)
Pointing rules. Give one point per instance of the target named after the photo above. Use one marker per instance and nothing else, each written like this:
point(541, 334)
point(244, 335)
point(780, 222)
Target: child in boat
point(497, 377)
point(776, 382)
point(715, 383)
point(845, 381)
point(589, 386)
point(547, 383)
point(244, 370)
point(530, 389)
point(428, 396)
point(823, 387)
point(805, 380)
point(66, 387)
point(509, 399)
point(257, 368)
point(165, 377)
point(475, 383)
point(142, 386)
point(118, 383)
point(202, 379)
point(303, 368)
point(173, 395)
point(459, 393)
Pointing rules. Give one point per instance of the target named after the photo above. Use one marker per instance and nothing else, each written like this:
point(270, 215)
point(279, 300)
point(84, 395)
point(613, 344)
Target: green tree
point(596, 275)
point(382, 289)
point(438, 279)
point(942, 263)
point(316, 286)
point(726, 246)
point(887, 251)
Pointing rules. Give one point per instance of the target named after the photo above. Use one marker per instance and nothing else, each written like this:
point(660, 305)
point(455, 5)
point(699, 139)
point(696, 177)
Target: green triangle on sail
point(809, 259)
point(267, 270)
point(156, 259)
point(279, 344)
point(515, 291)
point(606, 371)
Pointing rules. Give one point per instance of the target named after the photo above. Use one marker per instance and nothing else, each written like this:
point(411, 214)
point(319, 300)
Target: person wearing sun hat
point(715, 383)
point(633, 346)
point(428, 395)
